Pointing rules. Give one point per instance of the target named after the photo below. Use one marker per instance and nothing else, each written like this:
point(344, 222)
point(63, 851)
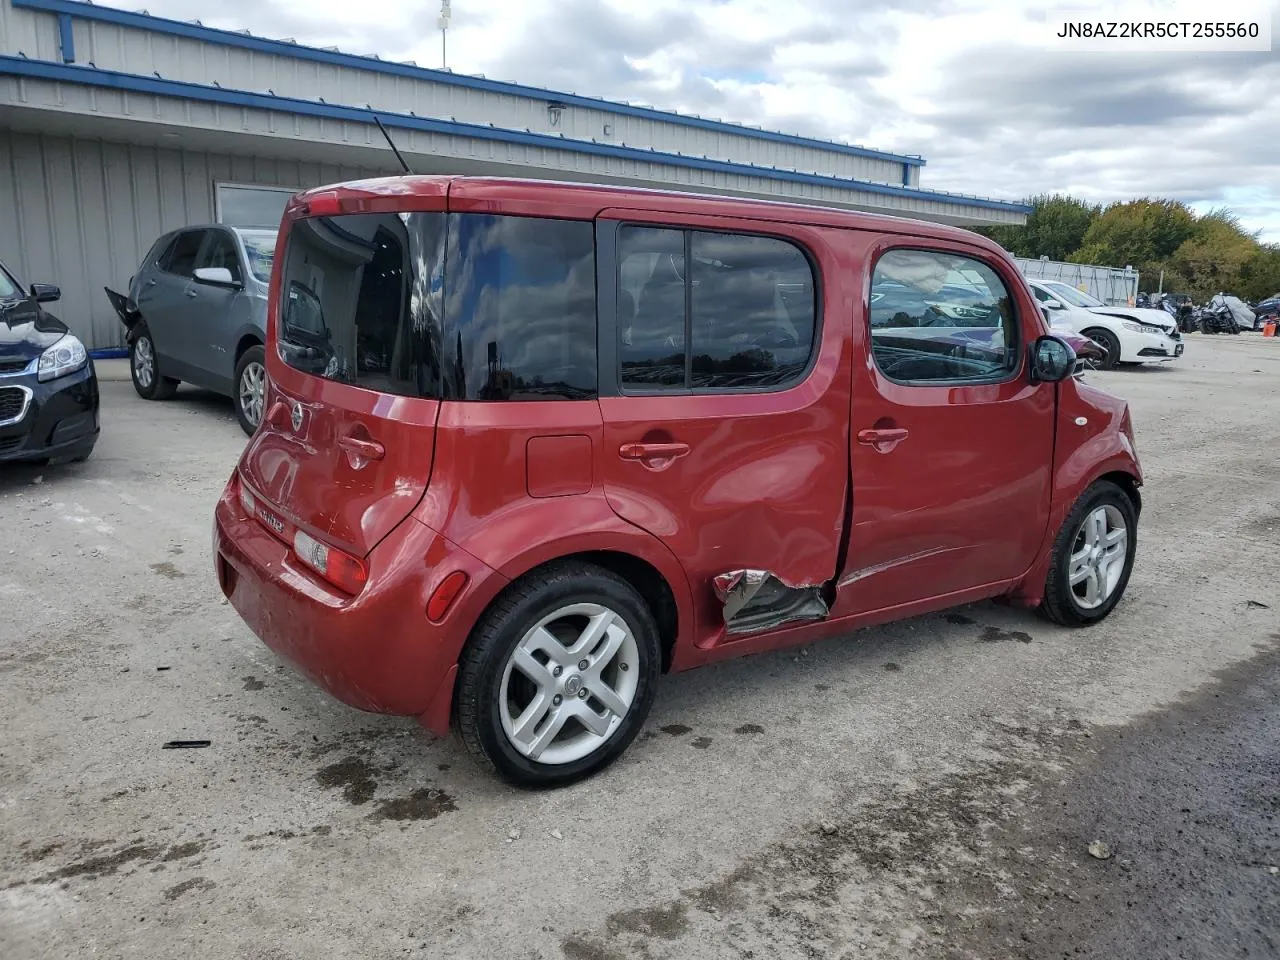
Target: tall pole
point(445, 13)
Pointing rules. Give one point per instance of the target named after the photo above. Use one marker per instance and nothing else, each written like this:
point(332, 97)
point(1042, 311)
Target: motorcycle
point(1216, 316)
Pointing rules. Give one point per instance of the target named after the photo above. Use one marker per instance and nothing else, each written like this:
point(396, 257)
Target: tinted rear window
point(456, 307)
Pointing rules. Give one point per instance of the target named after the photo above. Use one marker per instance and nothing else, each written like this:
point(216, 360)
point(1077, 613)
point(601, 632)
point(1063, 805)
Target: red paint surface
point(956, 496)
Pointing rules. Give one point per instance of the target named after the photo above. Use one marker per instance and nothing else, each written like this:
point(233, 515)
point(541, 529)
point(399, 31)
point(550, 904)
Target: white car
point(1128, 334)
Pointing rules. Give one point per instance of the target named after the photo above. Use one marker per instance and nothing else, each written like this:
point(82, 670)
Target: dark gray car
point(200, 298)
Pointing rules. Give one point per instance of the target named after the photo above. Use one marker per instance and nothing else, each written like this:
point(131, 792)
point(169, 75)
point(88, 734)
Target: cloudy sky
point(969, 84)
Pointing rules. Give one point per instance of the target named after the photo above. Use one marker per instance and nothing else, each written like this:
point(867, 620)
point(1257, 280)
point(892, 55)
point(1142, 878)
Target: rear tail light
point(444, 595)
point(247, 503)
point(344, 571)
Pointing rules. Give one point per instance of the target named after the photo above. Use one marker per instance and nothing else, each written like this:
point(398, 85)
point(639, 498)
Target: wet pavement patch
point(425, 803)
point(253, 683)
point(700, 743)
point(996, 635)
point(167, 569)
point(960, 620)
point(195, 883)
point(354, 775)
point(676, 729)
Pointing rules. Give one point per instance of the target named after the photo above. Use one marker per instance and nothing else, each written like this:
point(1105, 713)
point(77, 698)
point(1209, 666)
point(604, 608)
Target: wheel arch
point(246, 337)
point(642, 575)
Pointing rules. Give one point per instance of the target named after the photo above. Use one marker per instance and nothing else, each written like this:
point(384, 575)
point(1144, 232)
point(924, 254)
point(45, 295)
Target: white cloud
point(969, 84)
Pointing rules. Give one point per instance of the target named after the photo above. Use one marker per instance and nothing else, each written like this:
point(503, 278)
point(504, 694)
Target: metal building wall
point(81, 213)
point(111, 46)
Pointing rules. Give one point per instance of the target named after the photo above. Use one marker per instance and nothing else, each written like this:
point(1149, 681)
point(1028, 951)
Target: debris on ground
point(557, 834)
point(186, 744)
point(513, 835)
point(828, 827)
point(1258, 604)
point(1100, 850)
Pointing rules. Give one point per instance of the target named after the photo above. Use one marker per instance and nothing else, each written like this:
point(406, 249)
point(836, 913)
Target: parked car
point(529, 445)
point(1268, 309)
point(1127, 334)
point(196, 312)
point(48, 385)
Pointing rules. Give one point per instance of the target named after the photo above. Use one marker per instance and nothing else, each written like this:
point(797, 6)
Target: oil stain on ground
point(676, 729)
point(354, 775)
point(253, 683)
point(748, 729)
point(425, 803)
point(167, 569)
point(104, 865)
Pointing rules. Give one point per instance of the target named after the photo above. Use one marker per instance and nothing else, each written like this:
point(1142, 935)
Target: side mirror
point(1044, 312)
point(1052, 360)
point(45, 292)
point(216, 276)
point(1053, 304)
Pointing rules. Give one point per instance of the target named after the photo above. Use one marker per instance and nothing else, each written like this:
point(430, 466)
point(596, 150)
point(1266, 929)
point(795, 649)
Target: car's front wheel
point(1092, 557)
point(144, 368)
point(1110, 344)
point(251, 388)
point(558, 676)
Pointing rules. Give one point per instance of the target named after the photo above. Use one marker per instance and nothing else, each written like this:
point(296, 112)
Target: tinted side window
point(700, 310)
point(220, 251)
point(941, 317)
point(651, 308)
point(355, 307)
point(180, 258)
point(520, 308)
point(753, 311)
point(1042, 294)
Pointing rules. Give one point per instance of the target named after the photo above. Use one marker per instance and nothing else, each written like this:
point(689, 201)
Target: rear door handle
point(883, 439)
point(364, 449)
point(652, 451)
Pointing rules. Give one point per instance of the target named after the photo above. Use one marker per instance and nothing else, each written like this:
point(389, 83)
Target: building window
point(245, 205)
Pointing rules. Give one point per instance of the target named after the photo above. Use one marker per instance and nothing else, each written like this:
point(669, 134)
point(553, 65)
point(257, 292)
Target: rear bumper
point(376, 652)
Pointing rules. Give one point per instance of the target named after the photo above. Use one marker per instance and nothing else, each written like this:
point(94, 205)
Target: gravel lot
point(928, 789)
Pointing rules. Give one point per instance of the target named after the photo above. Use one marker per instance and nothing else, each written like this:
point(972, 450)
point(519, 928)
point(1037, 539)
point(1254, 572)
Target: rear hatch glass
point(384, 316)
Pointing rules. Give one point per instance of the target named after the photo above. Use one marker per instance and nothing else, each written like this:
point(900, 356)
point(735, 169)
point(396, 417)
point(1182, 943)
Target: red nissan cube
point(528, 445)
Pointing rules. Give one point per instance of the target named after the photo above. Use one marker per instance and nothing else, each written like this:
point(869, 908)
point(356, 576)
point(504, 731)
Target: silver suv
point(197, 313)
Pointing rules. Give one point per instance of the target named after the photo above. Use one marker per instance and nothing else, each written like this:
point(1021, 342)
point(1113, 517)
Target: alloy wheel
point(144, 362)
point(569, 683)
point(1098, 557)
point(253, 380)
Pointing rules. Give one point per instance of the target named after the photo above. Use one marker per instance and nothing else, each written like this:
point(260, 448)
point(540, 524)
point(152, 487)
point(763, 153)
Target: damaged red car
point(527, 446)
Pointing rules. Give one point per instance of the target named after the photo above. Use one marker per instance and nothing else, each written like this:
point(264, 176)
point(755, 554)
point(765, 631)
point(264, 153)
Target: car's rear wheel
point(1110, 343)
point(251, 388)
point(558, 676)
point(1092, 557)
point(144, 367)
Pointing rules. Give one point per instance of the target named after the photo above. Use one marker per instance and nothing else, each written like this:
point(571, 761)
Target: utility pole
point(444, 34)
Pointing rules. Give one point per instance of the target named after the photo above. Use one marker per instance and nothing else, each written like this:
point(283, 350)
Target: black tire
point(1061, 604)
point(1108, 342)
point(159, 387)
point(477, 705)
point(255, 355)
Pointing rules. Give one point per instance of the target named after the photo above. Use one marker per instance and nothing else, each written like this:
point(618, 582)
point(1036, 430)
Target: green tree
point(1213, 258)
point(1055, 227)
point(1260, 275)
point(1141, 233)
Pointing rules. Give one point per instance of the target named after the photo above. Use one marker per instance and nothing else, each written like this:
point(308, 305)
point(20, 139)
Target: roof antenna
point(391, 143)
